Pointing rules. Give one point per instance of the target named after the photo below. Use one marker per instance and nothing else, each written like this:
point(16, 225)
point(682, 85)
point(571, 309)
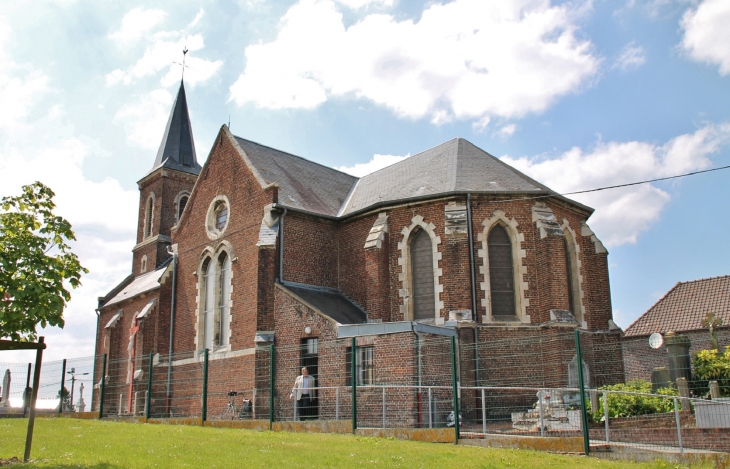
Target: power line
point(647, 181)
point(616, 186)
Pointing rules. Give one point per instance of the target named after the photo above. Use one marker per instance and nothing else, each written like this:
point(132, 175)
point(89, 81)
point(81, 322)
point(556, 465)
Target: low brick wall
point(553, 444)
point(432, 435)
point(712, 439)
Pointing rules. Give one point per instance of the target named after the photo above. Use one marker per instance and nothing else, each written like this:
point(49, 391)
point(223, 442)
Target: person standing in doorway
point(304, 391)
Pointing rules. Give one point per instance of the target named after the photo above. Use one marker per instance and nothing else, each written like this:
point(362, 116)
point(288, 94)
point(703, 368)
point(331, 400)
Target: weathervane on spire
point(182, 65)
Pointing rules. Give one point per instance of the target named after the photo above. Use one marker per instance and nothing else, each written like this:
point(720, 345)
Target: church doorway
point(310, 360)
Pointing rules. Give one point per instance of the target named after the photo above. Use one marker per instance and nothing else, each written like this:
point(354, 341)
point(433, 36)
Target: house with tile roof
point(260, 247)
point(681, 310)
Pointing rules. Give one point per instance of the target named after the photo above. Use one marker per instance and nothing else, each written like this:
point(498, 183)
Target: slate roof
point(328, 301)
point(142, 284)
point(303, 184)
point(685, 306)
point(177, 150)
point(454, 166)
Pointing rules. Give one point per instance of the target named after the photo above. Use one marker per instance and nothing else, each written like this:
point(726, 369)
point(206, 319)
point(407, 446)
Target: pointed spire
point(177, 150)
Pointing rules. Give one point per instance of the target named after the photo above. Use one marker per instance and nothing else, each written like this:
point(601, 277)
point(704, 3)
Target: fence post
point(383, 406)
point(455, 391)
point(714, 390)
point(605, 414)
point(204, 417)
point(581, 384)
point(542, 417)
point(149, 391)
point(484, 414)
point(353, 379)
point(34, 397)
point(337, 403)
point(63, 382)
point(679, 426)
point(101, 388)
point(272, 373)
point(26, 394)
point(430, 410)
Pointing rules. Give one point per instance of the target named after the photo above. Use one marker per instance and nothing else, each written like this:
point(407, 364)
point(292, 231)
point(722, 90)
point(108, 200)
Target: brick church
point(260, 246)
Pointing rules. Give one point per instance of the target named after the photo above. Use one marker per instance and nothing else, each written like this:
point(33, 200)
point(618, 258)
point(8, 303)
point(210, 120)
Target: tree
point(36, 263)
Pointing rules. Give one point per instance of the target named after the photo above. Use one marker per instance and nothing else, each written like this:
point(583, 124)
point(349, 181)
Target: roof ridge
point(409, 156)
point(704, 279)
point(295, 156)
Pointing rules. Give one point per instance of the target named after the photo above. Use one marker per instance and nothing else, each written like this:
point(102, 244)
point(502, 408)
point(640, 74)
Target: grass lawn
point(66, 443)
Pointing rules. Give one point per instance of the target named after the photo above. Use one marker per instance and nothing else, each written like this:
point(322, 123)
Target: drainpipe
point(420, 391)
point(172, 325)
point(281, 247)
point(470, 231)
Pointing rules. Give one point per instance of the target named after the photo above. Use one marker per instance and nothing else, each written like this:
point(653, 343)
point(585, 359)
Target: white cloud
point(467, 59)
point(136, 24)
point(102, 213)
point(706, 33)
point(376, 163)
point(631, 58)
point(197, 18)
point(164, 52)
point(506, 131)
point(366, 3)
point(622, 214)
point(144, 119)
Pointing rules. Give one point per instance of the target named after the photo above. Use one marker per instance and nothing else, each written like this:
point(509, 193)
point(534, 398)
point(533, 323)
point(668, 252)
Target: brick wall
point(640, 359)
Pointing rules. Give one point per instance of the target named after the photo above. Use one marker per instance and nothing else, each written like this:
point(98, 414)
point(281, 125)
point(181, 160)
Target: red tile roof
point(685, 306)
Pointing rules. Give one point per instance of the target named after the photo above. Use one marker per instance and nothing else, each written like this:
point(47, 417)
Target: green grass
point(66, 443)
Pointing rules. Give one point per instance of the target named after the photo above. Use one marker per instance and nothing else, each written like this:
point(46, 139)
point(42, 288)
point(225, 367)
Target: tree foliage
point(630, 405)
point(711, 365)
point(36, 263)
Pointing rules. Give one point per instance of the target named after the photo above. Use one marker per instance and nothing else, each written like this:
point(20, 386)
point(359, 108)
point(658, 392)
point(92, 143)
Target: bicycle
point(232, 410)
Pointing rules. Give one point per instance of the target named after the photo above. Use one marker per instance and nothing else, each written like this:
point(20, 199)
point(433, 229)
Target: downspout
point(470, 231)
point(281, 247)
point(172, 324)
point(420, 391)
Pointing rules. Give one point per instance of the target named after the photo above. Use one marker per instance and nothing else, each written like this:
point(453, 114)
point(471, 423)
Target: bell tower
point(164, 191)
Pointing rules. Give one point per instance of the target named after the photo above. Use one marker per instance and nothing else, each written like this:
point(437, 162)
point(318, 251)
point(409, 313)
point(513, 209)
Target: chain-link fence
point(486, 382)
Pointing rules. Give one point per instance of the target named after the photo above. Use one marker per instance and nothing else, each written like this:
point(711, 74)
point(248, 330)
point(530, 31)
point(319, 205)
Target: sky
point(576, 94)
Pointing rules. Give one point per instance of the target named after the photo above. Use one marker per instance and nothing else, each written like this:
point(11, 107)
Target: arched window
point(181, 206)
point(143, 265)
point(216, 298)
point(208, 303)
point(224, 262)
point(569, 277)
point(422, 276)
point(573, 277)
point(501, 274)
point(148, 217)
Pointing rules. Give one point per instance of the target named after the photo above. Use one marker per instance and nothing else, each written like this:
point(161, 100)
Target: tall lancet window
point(569, 277)
point(224, 261)
point(422, 274)
point(148, 217)
point(501, 275)
point(208, 303)
point(573, 277)
point(216, 299)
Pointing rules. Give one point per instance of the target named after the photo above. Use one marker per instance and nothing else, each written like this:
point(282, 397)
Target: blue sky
point(577, 94)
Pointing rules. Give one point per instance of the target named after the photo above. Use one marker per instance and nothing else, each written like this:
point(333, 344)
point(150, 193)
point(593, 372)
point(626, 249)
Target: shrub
point(711, 365)
point(630, 405)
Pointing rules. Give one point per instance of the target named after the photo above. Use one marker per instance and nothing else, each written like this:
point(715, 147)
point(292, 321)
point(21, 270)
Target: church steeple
point(177, 150)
